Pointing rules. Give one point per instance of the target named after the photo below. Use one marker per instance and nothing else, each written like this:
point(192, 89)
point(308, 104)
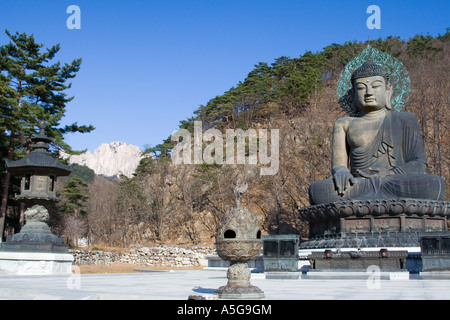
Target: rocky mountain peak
point(109, 159)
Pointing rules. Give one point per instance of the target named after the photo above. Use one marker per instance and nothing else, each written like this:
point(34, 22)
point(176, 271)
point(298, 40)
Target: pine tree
point(75, 194)
point(32, 90)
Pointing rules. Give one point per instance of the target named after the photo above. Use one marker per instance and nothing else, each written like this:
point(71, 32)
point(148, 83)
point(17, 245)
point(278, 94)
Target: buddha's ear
point(388, 96)
point(353, 104)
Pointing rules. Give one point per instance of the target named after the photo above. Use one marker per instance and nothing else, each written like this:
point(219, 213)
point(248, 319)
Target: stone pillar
point(238, 286)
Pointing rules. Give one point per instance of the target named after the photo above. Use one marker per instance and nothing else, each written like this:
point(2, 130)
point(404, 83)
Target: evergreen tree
point(83, 172)
point(75, 195)
point(32, 90)
point(422, 46)
point(73, 204)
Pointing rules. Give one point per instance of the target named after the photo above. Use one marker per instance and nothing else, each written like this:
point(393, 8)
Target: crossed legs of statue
point(415, 186)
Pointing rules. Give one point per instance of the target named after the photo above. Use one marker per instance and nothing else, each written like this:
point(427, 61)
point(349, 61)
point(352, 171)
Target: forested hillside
point(170, 203)
point(183, 203)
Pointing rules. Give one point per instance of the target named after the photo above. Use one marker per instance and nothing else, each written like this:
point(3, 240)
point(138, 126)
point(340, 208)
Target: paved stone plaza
point(179, 285)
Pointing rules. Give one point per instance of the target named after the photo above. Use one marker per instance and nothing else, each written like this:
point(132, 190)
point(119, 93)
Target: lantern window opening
point(229, 234)
point(51, 185)
point(27, 182)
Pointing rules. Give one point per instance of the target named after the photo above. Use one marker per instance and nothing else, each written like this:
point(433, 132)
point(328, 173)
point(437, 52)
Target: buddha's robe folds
point(397, 147)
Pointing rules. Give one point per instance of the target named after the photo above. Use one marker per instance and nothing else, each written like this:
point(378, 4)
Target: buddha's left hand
point(373, 172)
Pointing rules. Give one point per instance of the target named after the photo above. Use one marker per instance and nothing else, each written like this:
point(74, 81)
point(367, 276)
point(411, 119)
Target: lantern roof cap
point(41, 136)
point(39, 158)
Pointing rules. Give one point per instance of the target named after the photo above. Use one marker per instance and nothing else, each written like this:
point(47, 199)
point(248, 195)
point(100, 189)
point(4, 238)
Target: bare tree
point(74, 228)
point(102, 210)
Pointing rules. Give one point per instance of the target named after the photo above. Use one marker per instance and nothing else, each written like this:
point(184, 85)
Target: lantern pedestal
point(35, 235)
point(35, 263)
point(238, 286)
point(35, 249)
point(239, 241)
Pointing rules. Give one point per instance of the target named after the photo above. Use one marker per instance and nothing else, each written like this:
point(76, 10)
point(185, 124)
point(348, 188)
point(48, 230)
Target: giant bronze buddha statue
point(378, 194)
point(378, 153)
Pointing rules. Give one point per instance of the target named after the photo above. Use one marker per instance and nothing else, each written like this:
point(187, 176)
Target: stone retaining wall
point(171, 256)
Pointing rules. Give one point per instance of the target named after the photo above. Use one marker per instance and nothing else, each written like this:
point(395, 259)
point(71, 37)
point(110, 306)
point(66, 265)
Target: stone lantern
point(238, 241)
point(39, 171)
point(35, 249)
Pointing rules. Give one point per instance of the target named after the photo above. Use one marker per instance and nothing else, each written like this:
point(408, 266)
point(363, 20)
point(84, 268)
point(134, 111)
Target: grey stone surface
point(179, 285)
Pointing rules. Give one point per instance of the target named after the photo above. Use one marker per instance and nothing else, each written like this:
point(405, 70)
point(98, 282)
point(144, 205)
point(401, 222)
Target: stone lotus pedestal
point(374, 223)
point(364, 228)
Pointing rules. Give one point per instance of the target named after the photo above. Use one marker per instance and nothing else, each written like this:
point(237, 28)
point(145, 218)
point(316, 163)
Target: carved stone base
point(34, 263)
point(238, 286)
point(35, 235)
point(374, 223)
point(358, 260)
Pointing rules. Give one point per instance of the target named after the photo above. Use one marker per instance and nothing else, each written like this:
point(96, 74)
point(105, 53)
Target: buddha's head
point(371, 88)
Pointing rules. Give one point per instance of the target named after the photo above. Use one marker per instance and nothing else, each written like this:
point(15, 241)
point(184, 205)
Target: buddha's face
point(371, 93)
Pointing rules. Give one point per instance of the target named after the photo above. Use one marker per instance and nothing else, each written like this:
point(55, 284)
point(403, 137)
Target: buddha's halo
point(398, 78)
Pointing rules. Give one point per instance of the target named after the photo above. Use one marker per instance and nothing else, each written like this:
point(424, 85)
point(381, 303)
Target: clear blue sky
point(148, 64)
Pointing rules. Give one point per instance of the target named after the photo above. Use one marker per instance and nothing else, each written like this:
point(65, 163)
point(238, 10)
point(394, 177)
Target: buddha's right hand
point(342, 178)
